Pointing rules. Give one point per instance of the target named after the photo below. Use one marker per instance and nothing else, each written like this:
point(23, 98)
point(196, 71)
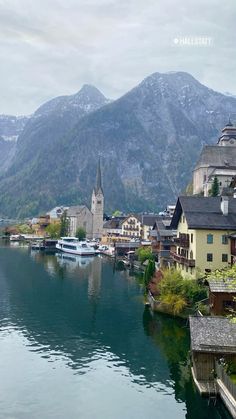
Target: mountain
point(29, 173)
point(148, 141)
point(10, 129)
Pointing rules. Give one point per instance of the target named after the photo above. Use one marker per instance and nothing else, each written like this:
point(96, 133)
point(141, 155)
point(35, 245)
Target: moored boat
point(73, 246)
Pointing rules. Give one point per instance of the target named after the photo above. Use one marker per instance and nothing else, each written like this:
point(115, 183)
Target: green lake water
point(77, 342)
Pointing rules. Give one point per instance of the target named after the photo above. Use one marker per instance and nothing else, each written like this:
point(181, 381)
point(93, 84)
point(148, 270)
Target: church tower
point(97, 205)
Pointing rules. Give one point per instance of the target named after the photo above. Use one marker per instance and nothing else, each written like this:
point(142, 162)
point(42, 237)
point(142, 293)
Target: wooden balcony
point(183, 260)
point(182, 242)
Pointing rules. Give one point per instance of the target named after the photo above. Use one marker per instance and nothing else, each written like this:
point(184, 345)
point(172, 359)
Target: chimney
point(224, 205)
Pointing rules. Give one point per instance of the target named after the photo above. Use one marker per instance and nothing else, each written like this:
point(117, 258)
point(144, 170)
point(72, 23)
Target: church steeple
point(97, 205)
point(99, 178)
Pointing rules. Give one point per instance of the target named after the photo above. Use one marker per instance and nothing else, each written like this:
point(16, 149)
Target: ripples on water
point(76, 342)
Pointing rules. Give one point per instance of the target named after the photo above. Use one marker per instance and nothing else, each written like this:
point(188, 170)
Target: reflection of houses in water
point(73, 261)
point(94, 278)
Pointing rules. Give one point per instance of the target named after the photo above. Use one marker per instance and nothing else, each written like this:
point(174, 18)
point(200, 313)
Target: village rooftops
point(205, 213)
point(222, 285)
point(212, 334)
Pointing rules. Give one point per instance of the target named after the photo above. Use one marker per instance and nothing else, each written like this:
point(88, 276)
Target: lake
point(76, 341)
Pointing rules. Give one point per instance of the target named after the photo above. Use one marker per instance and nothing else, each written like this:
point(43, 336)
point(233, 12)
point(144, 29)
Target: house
point(216, 161)
point(132, 227)
point(138, 225)
point(203, 226)
point(112, 230)
point(56, 213)
point(222, 296)
point(213, 345)
point(163, 241)
point(147, 222)
point(40, 224)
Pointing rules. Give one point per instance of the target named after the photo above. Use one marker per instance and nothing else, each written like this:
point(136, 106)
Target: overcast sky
point(52, 47)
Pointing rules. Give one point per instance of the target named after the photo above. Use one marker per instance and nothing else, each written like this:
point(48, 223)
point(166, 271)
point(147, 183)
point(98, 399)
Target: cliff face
point(148, 141)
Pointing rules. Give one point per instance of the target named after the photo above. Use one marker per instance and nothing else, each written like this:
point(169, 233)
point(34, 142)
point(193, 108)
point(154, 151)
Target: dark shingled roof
point(205, 213)
point(220, 285)
point(217, 156)
point(75, 210)
point(114, 223)
point(212, 334)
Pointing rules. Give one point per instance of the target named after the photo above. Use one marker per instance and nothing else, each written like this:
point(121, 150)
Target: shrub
point(144, 253)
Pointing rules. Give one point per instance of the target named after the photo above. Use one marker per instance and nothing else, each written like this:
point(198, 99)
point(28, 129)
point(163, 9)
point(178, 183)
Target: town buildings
point(163, 241)
point(204, 226)
point(216, 161)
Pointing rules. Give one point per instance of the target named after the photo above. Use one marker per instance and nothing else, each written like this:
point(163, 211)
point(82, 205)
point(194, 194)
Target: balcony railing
point(183, 260)
point(133, 228)
point(226, 380)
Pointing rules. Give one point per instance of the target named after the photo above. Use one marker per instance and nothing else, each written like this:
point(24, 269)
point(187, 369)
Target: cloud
point(54, 47)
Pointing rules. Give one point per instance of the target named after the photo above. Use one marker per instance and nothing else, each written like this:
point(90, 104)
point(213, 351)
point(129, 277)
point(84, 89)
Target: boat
point(75, 247)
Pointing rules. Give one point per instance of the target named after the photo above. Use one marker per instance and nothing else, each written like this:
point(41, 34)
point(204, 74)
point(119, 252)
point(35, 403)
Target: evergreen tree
point(80, 233)
point(215, 187)
point(64, 227)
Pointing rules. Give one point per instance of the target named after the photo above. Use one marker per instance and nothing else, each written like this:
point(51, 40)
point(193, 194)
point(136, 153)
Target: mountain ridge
point(148, 140)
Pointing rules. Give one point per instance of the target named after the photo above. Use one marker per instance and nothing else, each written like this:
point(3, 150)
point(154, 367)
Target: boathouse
point(213, 350)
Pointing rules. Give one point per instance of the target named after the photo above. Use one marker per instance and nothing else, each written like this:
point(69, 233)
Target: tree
point(53, 230)
point(144, 253)
point(148, 273)
point(25, 229)
point(178, 292)
point(80, 233)
point(64, 225)
point(116, 213)
point(215, 189)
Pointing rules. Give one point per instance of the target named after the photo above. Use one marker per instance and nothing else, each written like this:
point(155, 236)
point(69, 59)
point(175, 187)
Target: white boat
point(75, 247)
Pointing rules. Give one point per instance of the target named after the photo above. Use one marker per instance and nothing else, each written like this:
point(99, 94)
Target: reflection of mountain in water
point(92, 314)
point(54, 312)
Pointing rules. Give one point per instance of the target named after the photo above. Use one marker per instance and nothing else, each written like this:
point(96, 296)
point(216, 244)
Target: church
point(216, 161)
point(91, 220)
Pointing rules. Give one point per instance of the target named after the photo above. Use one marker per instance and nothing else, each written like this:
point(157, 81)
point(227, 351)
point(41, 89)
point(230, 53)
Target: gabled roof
point(149, 219)
point(145, 219)
point(222, 285)
point(75, 210)
point(114, 223)
point(204, 213)
point(217, 156)
point(212, 334)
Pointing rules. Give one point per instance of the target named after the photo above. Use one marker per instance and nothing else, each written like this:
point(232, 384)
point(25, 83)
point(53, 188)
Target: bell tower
point(97, 205)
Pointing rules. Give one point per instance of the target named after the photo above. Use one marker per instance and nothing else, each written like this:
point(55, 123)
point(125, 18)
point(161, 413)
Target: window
point(224, 257)
point(210, 239)
point(209, 257)
point(224, 239)
point(191, 237)
point(183, 219)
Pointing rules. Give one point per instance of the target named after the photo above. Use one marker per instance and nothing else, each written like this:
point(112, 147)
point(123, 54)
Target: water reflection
point(88, 317)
